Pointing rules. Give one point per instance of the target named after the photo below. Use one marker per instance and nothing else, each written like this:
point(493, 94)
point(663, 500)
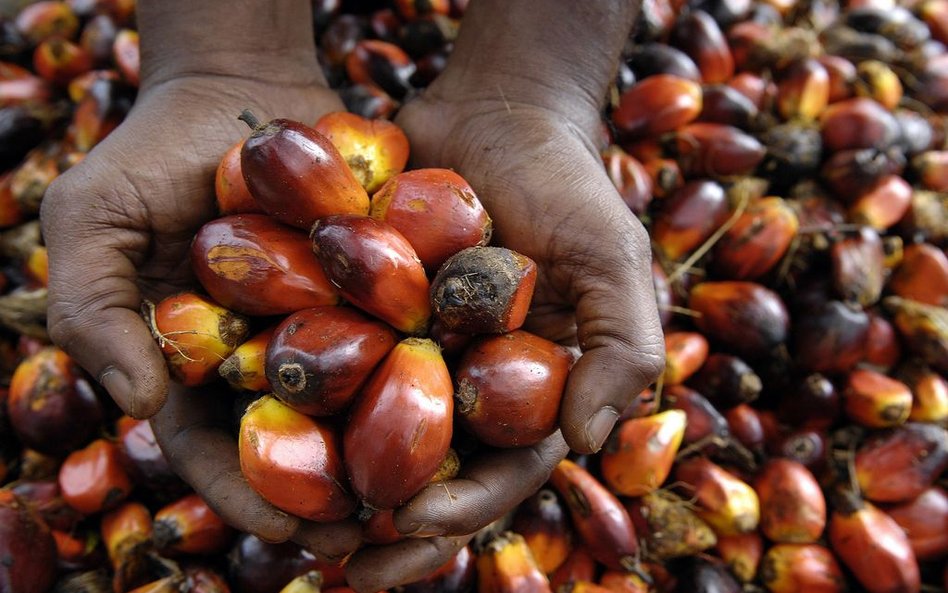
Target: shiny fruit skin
point(189, 526)
point(92, 479)
point(297, 176)
point(26, 546)
point(436, 210)
point(293, 461)
point(685, 353)
point(544, 525)
point(505, 565)
point(319, 358)
point(715, 150)
point(641, 455)
point(375, 268)
point(690, 215)
point(400, 427)
point(801, 568)
point(509, 388)
point(857, 123)
point(745, 317)
point(922, 276)
point(724, 501)
point(757, 241)
point(925, 520)
point(742, 554)
point(245, 369)
point(230, 189)
point(254, 265)
point(875, 400)
point(657, 104)
point(900, 464)
point(792, 507)
point(375, 149)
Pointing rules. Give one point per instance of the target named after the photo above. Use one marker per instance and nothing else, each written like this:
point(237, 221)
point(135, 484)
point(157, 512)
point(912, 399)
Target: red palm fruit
point(127, 55)
point(99, 112)
point(792, 507)
point(381, 64)
point(689, 216)
point(899, 465)
point(745, 425)
point(543, 523)
point(126, 532)
point(874, 548)
point(195, 334)
point(189, 526)
point(803, 90)
point(875, 400)
point(79, 550)
point(293, 461)
point(245, 368)
point(620, 581)
point(630, 178)
point(19, 85)
point(742, 554)
point(801, 568)
point(723, 104)
point(929, 398)
point(924, 328)
point(509, 388)
point(757, 241)
point(925, 521)
point(699, 36)
point(598, 517)
point(745, 317)
point(230, 189)
point(842, 76)
point(255, 566)
point(375, 268)
point(723, 500)
point(932, 169)
point(714, 150)
point(858, 267)
point(578, 566)
point(484, 290)
point(814, 403)
point(858, 123)
point(668, 527)
point(254, 265)
point(657, 104)
point(45, 498)
point(296, 175)
point(92, 479)
point(51, 407)
point(368, 101)
point(379, 529)
point(703, 423)
point(665, 175)
point(639, 457)
point(319, 358)
point(505, 565)
point(59, 60)
point(831, 337)
point(436, 210)
point(685, 353)
point(883, 204)
point(726, 381)
point(27, 548)
point(375, 149)
point(922, 276)
point(400, 428)
point(808, 446)
point(883, 350)
point(49, 18)
point(453, 344)
point(454, 576)
point(876, 80)
point(143, 460)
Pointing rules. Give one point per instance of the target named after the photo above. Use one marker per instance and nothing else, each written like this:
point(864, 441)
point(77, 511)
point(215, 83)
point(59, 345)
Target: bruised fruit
point(293, 461)
point(509, 388)
point(375, 149)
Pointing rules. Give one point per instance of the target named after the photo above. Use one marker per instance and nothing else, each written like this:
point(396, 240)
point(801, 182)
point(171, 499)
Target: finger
point(377, 568)
point(329, 542)
point(188, 430)
point(94, 302)
point(489, 487)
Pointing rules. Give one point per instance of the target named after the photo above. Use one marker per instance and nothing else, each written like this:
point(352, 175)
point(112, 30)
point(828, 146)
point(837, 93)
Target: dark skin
point(514, 113)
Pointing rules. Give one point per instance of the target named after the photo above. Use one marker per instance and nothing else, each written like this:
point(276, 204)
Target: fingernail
point(599, 426)
point(119, 387)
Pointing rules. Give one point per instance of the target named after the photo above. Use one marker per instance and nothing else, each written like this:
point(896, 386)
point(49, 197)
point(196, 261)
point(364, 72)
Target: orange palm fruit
point(929, 398)
point(690, 215)
point(379, 528)
point(714, 150)
point(375, 149)
point(900, 464)
point(254, 265)
point(842, 76)
point(454, 576)
point(51, 407)
point(924, 329)
point(544, 525)
point(34, 174)
point(883, 204)
point(293, 461)
point(483, 290)
point(746, 425)
point(505, 565)
point(925, 521)
point(126, 532)
point(856, 124)
point(723, 500)
point(665, 174)
point(381, 64)
point(668, 527)
point(746, 317)
point(100, 111)
point(436, 210)
point(873, 546)
point(375, 268)
point(27, 548)
point(92, 479)
point(59, 60)
point(685, 353)
point(883, 350)
point(858, 267)
point(245, 368)
point(657, 104)
point(127, 55)
point(875, 400)
point(877, 80)
point(757, 241)
point(230, 189)
point(639, 457)
point(49, 18)
point(598, 517)
point(619, 581)
point(318, 358)
point(704, 424)
point(76, 550)
point(296, 175)
point(759, 91)
point(803, 90)
point(931, 167)
point(699, 35)
point(792, 507)
point(400, 427)
point(630, 177)
point(801, 568)
point(196, 335)
point(578, 566)
point(922, 276)
point(189, 526)
point(308, 582)
point(509, 388)
point(742, 554)
point(582, 587)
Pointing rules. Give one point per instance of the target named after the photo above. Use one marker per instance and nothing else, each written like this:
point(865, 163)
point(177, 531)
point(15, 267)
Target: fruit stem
point(249, 118)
